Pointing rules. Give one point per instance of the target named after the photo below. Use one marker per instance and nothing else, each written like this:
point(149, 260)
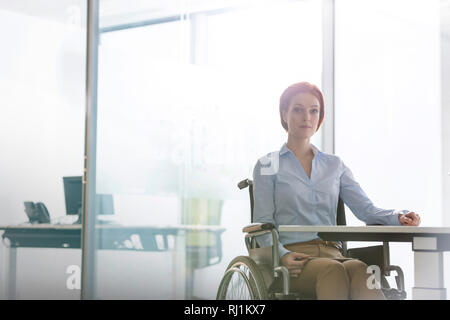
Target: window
point(388, 88)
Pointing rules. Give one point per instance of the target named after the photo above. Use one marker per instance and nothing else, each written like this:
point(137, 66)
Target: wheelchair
point(259, 276)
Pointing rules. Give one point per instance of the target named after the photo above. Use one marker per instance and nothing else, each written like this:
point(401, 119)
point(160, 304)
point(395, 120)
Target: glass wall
point(42, 103)
point(390, 107)
point(188, 96)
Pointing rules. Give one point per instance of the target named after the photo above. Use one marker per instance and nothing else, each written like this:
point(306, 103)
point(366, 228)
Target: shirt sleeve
point(264, 204)
point(361, 206)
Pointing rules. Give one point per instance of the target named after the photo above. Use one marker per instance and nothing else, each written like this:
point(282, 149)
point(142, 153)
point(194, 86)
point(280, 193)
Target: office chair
point(203, 248)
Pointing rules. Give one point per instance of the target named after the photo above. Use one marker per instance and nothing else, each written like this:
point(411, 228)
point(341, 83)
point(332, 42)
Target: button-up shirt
point(285, 195)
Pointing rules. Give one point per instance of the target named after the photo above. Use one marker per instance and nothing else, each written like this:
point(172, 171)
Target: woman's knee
point(325, 269)
point(355, 266)
point(358, 275)
point(333, 281)
point(334, 267)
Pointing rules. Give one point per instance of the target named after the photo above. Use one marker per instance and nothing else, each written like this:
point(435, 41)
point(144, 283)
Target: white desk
point(428, 244)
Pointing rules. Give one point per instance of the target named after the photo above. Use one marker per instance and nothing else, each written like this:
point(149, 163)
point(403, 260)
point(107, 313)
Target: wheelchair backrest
point(340, 215)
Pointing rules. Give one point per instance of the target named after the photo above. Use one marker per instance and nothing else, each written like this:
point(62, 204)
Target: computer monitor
point(73, 196)
point(104, 204)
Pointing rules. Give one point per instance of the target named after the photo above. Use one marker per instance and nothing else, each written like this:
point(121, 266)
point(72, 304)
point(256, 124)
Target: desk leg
point(178, 268)
point(428, 276)
point(11, 273)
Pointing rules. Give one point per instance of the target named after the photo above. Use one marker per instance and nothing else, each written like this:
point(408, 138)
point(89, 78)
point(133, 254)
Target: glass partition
point(188, 97)
point(42, 103)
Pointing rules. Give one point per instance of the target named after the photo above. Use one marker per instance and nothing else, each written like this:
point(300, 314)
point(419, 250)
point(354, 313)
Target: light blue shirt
point(285, 195)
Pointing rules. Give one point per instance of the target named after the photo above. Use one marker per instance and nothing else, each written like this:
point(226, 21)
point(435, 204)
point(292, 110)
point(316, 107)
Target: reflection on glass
point(42, 63)
point(188, 101)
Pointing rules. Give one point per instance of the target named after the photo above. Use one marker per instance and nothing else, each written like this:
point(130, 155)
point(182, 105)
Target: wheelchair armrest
point(257, 227)
point(399, 279)
point(375, 255)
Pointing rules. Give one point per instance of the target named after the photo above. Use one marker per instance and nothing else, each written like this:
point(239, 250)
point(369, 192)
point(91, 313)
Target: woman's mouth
point(305, 127)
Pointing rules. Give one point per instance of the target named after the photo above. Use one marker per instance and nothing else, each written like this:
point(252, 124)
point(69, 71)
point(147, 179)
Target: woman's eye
point(315, 111)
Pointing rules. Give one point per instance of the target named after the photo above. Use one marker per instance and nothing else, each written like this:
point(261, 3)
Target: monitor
point(72, 194)
point(104, 204)
point(73, 189)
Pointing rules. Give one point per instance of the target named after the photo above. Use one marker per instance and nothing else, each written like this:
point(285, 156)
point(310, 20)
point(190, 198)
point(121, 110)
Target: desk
point(110, 236)
point(428, 244)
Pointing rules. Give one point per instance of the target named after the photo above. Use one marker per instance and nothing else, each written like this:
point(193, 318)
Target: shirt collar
point(285, 149)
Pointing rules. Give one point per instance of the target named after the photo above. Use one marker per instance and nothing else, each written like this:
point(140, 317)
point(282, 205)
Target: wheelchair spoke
point(238, 288)
point(242, 281)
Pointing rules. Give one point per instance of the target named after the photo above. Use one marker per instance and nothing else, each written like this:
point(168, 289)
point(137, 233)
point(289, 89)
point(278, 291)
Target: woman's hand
point(294, 262)
point(409, 219)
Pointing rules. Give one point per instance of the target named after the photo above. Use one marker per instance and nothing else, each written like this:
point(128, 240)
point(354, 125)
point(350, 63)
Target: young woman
point(301, 185)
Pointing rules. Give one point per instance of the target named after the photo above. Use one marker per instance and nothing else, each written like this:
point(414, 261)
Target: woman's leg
point(357, 274)
point(323, 279)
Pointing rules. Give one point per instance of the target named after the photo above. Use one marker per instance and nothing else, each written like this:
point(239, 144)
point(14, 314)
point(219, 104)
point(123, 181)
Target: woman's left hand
point(410, 219)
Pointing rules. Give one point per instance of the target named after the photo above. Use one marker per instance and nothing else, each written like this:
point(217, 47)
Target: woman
point(301, 185)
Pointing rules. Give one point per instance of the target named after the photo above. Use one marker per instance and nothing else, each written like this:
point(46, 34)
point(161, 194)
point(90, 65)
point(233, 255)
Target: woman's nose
point(306, 115)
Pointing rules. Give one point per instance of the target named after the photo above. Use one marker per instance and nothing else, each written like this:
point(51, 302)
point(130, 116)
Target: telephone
point(37, 212)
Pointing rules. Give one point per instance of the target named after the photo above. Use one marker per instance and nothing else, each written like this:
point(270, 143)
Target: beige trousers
point(323, 278)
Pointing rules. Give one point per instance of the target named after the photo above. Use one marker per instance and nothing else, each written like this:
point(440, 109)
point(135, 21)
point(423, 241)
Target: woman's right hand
point(294, 262)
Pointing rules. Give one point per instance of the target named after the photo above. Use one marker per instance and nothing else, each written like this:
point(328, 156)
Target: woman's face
point(302, 116)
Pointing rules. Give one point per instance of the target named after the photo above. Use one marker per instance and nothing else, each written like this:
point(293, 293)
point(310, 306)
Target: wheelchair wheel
point(242, 281)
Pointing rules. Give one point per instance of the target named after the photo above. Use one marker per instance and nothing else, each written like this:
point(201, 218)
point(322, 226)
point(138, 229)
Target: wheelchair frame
point(264, 278)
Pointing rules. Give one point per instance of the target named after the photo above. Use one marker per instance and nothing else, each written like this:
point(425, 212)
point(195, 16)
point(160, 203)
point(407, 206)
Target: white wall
point(445, 98)
point(445, 123)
